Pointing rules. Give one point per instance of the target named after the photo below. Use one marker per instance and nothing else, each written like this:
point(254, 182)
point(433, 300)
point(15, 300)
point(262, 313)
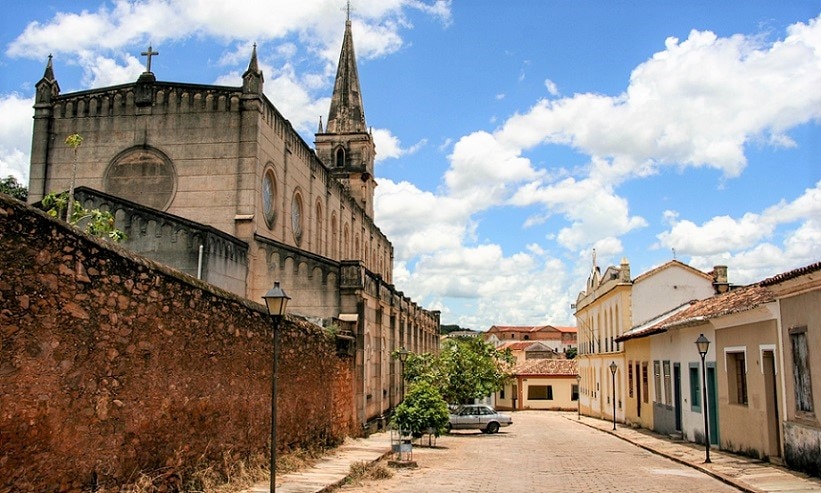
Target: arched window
point(340, 158)
point(318, 227)
point(334, 236)
point(346, 243)
point(269, 198)
point(296, 217)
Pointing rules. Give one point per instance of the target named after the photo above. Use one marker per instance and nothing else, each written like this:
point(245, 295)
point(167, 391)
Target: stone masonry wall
point(111, 364)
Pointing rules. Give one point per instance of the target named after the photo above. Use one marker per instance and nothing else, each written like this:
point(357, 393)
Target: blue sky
point(514, 137)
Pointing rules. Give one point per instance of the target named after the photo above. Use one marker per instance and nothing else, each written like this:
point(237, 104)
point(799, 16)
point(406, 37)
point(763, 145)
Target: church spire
point(252, 79)
point(347, 113)
point(345, 145)
point(47, 87)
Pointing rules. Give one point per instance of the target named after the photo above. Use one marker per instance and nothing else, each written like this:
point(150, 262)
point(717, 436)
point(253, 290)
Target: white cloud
point(482, 169)
point(726, 234)
point(419, 222)
point(15, 136)
point(552, 88)
point(697, 103)
point(101, 71)
point(593, 210)
point(388, 145)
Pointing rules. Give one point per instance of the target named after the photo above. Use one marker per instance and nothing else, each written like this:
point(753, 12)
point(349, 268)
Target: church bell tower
point(345, 145)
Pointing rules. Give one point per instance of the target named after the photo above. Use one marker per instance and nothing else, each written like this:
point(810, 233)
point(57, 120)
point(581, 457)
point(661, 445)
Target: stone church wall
point(112, 364)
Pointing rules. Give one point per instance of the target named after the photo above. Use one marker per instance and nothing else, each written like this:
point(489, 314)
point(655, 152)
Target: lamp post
point(402, 354)
point(703, 344)
point(613, 368)
point(276, 301)
point(578, 397)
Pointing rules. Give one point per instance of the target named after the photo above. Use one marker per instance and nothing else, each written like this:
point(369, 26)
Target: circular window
point(269, 198)
point(143, 175)
point(296, 217)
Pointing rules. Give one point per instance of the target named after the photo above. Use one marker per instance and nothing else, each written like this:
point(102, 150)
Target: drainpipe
point(199, 264)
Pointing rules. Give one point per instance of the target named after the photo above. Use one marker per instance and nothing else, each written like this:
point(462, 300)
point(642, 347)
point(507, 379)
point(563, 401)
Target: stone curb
point(717, 475)
point(333, 487)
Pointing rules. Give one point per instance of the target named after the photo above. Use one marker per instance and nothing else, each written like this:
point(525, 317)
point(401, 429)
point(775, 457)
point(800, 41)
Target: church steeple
point(345, 145)
point(347, 113)
point(252, 79)
point(47, 87)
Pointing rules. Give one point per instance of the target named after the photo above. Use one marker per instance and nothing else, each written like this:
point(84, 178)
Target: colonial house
point(760, 372)
point(529, 350)
point(740, 371)
point(215, 181)
point(549, 384)
point(613, 303)
point(559, 338)
point(798, 299)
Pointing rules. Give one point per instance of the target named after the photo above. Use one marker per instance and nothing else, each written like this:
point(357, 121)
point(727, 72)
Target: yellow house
point(798, 295)
point(548, 384)
point(613, 304)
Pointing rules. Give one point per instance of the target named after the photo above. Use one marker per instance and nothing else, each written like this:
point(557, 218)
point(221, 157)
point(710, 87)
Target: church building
point(214, 181)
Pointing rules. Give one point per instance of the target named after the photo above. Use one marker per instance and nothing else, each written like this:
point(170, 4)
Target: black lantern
point(613, 368)
point(703, 345)
point(277, 302)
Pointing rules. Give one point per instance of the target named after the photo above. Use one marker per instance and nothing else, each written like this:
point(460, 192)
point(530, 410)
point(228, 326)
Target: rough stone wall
point(111, 364)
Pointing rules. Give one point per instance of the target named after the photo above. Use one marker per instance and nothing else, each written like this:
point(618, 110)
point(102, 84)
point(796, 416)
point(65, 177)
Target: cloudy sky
point(513, 138)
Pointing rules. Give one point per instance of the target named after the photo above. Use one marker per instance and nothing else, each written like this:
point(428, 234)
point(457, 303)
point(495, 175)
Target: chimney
point(720, 283)
point(624, 270)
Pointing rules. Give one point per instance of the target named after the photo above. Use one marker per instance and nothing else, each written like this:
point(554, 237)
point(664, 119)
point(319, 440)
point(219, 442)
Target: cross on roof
point(149, 54)
point(348, 10)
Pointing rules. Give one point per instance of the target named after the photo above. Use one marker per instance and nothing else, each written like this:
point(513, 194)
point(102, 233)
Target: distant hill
point(447, 329)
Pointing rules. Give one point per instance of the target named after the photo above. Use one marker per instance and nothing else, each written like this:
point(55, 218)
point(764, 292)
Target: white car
point(478, 417)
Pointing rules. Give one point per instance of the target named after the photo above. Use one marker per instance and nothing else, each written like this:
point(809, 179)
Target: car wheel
point(449, 427)
point(492, 427)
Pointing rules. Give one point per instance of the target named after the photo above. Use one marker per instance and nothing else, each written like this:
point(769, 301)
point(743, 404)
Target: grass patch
point(368, 471)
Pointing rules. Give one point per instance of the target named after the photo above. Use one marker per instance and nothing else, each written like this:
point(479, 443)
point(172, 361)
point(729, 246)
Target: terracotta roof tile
point(736, 301)
point(560, 367)
point(791, 274)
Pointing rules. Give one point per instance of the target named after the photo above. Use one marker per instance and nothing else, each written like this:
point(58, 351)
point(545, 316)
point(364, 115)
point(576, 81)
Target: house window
point(737, 378)
point(630, 379)
point(502, 393)
point(801, 369)
point(668, 388)
point(645, 392)
point(657, 380)
point(574, 392)
point(540, 393)
point(695, 388)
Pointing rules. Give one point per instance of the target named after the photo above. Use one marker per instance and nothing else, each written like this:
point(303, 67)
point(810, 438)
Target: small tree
point(465, 369)
point(73, 141)
point(423, 409)
point(97, 223)
point(12, 187)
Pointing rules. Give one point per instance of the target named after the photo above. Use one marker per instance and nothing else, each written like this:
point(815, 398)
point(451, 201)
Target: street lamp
point(402, 354)
point(703, 344)
point(578, 397)
point(613, 368)
point(276, 301)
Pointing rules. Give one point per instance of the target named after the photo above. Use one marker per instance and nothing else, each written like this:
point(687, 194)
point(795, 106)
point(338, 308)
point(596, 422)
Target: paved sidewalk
point(333, 469)
point(746, 474)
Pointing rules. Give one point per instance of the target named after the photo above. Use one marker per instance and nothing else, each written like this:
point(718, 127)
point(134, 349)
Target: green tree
point(94, 221)
point(423, 409)
point(73, 141)
point(12, 187)
point(465, 369)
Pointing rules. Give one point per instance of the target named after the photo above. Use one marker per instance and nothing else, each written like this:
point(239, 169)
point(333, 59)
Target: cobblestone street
point(541, 452)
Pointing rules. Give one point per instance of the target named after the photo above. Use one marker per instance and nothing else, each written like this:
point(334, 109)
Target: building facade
point(613, 304)
point(176, 162)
